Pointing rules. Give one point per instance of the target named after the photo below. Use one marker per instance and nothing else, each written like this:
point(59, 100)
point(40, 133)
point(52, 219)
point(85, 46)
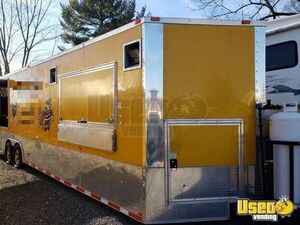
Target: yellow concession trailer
point(155, 119)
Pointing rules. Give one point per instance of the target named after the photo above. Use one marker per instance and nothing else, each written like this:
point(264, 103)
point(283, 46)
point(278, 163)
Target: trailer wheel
point(17, 160)
point(8, 153)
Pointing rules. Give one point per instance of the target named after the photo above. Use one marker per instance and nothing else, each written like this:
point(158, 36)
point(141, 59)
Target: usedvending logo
point(265, 210)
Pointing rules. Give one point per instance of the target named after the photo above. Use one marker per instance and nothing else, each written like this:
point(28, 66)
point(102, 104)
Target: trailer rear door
point(204, 157)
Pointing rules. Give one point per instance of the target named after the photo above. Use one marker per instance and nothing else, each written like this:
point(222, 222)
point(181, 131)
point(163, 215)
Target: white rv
point(282, 60)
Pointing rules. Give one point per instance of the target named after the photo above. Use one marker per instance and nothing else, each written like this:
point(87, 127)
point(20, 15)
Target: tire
point(17, 156)
point(8, 153)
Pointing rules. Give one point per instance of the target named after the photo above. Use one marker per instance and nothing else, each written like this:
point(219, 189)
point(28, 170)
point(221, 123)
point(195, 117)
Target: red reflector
point(95, 196)
point(67, 183)
point(137, 21)
point(136, 216)
point(246, 21)
point(80, 189)
point(113, 205)
point(155, 18)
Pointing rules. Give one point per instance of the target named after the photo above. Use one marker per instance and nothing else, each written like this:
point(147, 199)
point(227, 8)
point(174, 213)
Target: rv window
point(281, 56)
point(53, 75)
point(132, 55)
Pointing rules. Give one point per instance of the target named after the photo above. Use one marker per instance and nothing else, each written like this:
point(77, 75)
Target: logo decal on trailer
point(14, 109)
point(265, 210)
point(46, 116)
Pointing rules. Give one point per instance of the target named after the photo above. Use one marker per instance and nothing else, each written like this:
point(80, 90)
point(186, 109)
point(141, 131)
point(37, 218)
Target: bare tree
point(252, 9)
point(8, 30)
point(31, 22)
point(24, 25)
point(293, 5)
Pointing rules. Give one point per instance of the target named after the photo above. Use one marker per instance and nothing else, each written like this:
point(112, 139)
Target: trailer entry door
point(3, 103)
point(204, 159)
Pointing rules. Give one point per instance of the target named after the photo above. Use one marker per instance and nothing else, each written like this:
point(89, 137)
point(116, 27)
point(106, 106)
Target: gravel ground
point(28, 197)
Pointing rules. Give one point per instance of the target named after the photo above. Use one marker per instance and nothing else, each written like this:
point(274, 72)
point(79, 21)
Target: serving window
point(87, 107)
point(132, 55)
point(52, 75)
point(88, 97)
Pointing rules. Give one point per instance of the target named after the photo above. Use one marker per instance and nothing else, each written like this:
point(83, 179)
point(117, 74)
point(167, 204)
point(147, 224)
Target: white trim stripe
point(134, 215)
point(104, 201)
point(195, 21)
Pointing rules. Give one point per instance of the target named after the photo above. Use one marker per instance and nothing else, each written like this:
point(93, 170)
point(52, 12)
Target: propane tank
point(285, 126)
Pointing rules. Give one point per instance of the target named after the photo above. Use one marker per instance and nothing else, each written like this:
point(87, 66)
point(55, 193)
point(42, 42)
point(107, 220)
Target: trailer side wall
point(30, 90)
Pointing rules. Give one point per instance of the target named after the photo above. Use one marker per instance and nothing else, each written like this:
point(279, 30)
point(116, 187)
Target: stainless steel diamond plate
point(158, 211)
point(203, 211)
point(119, 182)
point(205, 182)
point(251, 183)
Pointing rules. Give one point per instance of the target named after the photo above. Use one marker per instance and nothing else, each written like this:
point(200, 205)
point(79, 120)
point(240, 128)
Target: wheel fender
point(14, 142)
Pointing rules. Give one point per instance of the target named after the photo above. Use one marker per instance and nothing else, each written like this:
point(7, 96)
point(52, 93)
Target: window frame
point(140, 55)
point(53, 83)
point(284, 67)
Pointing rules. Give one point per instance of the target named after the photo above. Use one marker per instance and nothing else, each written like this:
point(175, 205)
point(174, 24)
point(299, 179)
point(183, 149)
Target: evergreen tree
point(84, 19)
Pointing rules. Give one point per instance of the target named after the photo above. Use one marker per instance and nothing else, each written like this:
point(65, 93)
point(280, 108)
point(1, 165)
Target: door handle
point(173, 161)
point(173, 164)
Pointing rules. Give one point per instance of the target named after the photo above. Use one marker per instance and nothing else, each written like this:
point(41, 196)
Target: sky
point(169, 8)
point(163, 8)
